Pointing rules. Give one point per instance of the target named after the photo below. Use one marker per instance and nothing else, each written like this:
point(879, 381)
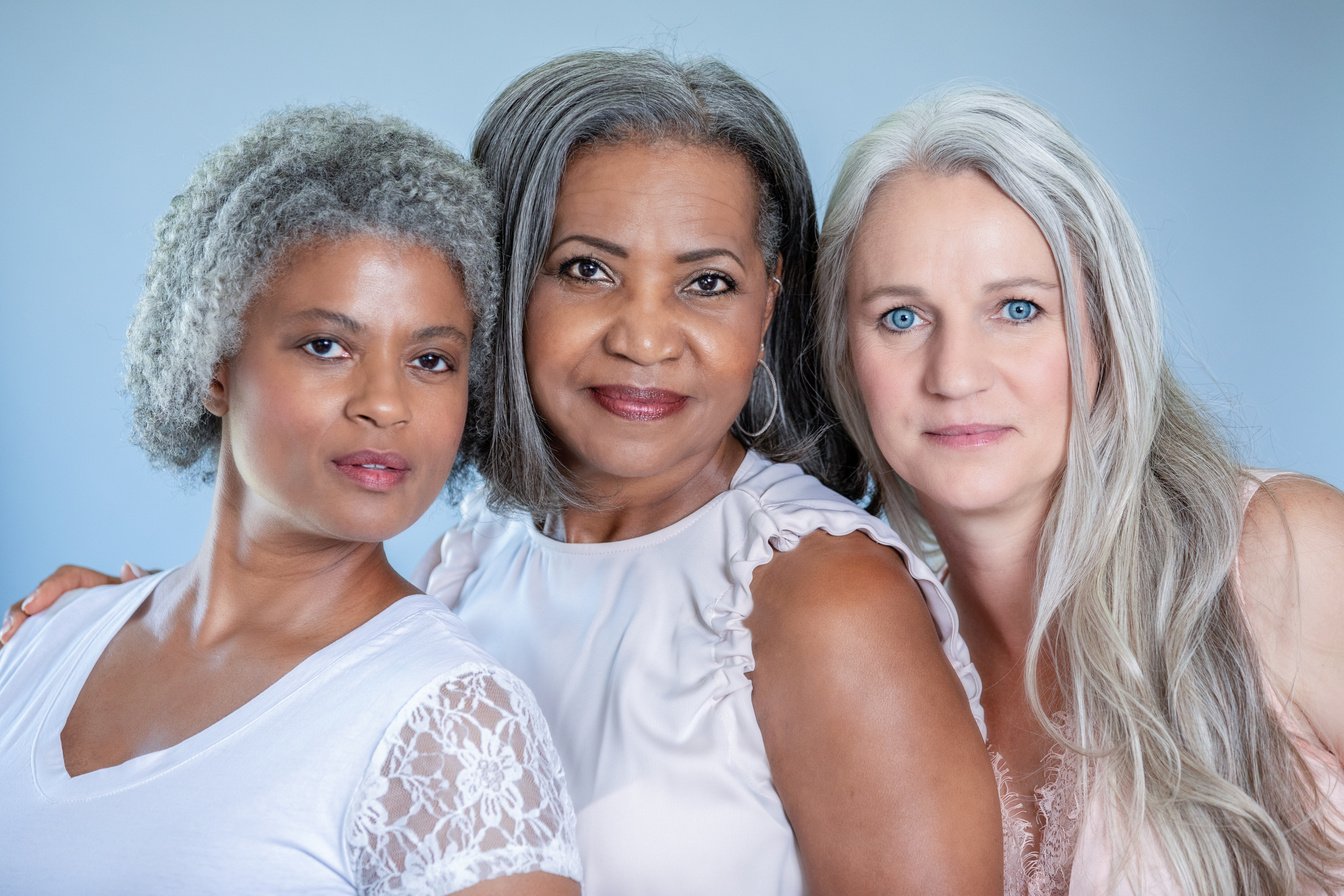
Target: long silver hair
point(599, 97)
point(1135, 599)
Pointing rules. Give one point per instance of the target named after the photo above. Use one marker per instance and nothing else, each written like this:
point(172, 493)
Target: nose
point(959, 362)
point(378, 393)
point(645, 325)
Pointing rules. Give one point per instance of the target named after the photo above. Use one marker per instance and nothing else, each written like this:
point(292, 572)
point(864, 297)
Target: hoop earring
point(774, 407)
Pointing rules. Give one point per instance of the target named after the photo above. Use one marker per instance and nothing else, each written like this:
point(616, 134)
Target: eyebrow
point(706, 254)
point(331, 317)
point(621, 252)
point(604, 245)
point(1015, 282)
point(892, 292)
point(441, 332)
point(345, 321)
point(900, 291)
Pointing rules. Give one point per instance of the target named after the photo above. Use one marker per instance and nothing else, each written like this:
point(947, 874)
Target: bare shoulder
point(837, 587)
point(1291, 564)
point(860, 711)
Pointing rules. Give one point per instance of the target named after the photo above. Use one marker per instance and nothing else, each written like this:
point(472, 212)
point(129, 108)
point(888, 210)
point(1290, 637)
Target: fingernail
point(27, 601)
point(137, 569)
point(5, 632)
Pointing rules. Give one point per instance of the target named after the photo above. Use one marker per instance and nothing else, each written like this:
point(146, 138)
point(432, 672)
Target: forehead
point(659, 185)
point(920, 221)
point(369, 271)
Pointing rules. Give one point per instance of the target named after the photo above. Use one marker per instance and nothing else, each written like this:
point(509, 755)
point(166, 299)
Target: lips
point(377, 471)
point(639, 404)
point(967, 435)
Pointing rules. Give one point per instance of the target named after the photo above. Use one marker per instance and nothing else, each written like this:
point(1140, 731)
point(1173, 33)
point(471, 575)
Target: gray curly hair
point(300, 176)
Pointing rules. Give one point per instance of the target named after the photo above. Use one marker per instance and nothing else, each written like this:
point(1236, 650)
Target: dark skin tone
point(355, 346)
point(641, 338)
point(858, 707)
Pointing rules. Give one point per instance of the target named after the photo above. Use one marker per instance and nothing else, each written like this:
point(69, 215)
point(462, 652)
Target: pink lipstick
point(632, 403)
point(377, 471)
point(968, 435)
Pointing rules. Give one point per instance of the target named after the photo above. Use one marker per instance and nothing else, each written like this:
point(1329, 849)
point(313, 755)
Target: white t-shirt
point(639, 654)
point(398, 759)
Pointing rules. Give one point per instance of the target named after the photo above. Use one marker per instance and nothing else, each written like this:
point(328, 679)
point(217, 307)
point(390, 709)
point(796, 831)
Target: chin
point(970, 494)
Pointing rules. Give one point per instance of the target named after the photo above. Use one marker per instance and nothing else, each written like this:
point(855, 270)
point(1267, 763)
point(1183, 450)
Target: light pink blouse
point(1073, 855)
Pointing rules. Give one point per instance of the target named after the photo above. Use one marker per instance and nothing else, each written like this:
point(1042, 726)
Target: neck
point(254, 575)
point(629, 508)
point(991, 561)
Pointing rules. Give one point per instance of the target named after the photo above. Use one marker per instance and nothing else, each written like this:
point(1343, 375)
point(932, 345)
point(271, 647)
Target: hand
point(67, 578)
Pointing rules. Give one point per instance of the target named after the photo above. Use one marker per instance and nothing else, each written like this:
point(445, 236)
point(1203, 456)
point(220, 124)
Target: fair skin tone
point(340, 418)
point(955, 324)
point(643, 330)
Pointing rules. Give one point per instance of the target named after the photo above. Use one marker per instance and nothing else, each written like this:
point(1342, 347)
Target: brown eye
point(712, 284)
point(584, 269)
point(323, 348)
point(434, 363)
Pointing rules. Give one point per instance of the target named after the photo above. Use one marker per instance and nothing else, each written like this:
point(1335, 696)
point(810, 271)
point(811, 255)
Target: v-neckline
point(54, 779)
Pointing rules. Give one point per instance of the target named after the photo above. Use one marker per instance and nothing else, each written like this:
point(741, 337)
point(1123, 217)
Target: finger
point(130, 571)
point(13, 619)
point(67, 578)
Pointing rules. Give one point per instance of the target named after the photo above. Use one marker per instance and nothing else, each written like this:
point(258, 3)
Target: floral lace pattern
point(466, 786)
point(1041, 868)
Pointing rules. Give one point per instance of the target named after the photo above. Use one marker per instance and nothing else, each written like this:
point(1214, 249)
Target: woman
point(1162, 705)
point(740, 670)
point(284, 713)
point(670, 594)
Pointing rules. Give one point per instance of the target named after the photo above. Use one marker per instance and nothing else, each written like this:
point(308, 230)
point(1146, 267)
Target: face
point(343, 410)
point(645, 325)
point(956, 329)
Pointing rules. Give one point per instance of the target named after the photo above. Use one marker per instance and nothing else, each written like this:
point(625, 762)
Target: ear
point(775, 285)
point(216, 398)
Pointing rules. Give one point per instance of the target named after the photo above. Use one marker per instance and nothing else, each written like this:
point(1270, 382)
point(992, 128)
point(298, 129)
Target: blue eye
point(1020, 310)
point(900, 319)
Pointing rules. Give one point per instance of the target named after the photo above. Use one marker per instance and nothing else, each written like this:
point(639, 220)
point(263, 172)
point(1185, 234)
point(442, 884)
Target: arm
point(465, 794)
point(871, 743)
point(1291, 561)
point(66, 578)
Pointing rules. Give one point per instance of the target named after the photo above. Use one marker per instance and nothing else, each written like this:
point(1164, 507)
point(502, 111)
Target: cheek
point(556, 336)
point(882, 379)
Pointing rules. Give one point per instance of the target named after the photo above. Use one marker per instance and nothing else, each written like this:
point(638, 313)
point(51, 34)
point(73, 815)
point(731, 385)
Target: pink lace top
point(1073, 854)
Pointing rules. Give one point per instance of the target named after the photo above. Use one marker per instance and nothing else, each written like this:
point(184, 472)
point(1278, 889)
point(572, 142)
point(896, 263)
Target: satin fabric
point(638, 654)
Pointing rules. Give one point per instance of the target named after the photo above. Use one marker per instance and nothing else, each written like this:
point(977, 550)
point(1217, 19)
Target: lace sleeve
point(464, 787)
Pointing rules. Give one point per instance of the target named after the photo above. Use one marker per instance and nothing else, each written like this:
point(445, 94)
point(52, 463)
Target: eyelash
point(449, 365)
point(308, 347)
point(1035, 311)
point(567, 270)
point(1003, 308)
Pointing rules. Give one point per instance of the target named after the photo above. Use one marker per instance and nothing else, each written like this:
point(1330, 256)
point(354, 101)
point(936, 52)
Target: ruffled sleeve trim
point(787, 506)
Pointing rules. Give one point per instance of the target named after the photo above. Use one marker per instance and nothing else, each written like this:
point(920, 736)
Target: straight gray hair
point(1135, 595)
point(523, 143)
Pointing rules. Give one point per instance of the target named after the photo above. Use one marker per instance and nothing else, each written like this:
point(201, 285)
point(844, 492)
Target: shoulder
point(788, 505)
point(465, 786)
point(860, 710)
point(1290, 569)
point(835, 593)
point(1291, 513)
point(477, 531)
point(57, 630)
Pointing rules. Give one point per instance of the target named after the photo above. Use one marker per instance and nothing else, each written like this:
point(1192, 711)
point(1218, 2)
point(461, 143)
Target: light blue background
point(1222, 123)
